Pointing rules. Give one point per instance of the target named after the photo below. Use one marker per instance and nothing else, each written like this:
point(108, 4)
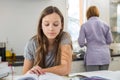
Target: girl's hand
point(36, 70)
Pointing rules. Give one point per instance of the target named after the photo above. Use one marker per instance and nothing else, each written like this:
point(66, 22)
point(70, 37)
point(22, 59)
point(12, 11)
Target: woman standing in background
point(50, 50)
point(96, 36)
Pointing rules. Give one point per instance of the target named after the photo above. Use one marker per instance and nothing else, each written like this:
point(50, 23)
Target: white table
point(15, 77)
point(112, 75)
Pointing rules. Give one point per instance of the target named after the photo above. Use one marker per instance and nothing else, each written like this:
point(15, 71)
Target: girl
point(51, 49)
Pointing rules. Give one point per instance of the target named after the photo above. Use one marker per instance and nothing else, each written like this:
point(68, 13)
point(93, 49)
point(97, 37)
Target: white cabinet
point(77, 66)
point(115, 63)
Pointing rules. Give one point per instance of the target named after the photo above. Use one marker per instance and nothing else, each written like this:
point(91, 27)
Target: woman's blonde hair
point(92, 11)
point(42, 41)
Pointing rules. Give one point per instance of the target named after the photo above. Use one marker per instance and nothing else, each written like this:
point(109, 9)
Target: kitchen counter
point(115, 55)
point(19, 59)
point(82, 58)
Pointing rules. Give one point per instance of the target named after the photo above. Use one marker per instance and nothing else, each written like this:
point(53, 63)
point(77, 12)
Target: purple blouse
point(96, 35)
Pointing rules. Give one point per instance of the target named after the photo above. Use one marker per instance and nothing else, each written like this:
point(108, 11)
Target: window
point(75, 19)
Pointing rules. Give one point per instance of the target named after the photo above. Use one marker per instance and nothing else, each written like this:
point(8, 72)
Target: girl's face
point(51, 25)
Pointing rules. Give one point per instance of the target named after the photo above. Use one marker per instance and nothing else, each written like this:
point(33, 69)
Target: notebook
point(4, 71)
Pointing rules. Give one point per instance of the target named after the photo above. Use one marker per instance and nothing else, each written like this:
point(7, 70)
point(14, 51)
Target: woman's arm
point(81, 38)
point(28, 64)
point(66, 60)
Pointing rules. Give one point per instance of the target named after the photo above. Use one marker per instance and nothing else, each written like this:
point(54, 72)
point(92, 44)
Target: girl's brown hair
point(92, 11)
point(42, 40)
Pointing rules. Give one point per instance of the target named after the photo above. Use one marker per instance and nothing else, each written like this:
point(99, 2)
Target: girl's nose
point(51, 27)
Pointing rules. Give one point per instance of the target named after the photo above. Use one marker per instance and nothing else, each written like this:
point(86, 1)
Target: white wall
point(103, 6)
point(19, 19)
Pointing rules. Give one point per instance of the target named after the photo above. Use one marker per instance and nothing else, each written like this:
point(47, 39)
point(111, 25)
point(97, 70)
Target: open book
point(106, 75)
point(4, 69)
point(46, 76)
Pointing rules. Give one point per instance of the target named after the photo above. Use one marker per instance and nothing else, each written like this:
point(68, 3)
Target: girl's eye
point(46, 24)
point(55, 25)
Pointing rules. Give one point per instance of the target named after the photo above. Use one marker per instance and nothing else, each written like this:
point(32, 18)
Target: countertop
point(82, 57)
point(20, 59)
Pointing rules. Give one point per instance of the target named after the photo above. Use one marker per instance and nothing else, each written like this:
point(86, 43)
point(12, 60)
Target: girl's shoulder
point(66, 38)
point(65, 35)
point(32, 41)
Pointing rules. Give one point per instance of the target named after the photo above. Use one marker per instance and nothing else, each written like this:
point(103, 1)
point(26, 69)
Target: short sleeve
point(66, 39)
point(29, 51)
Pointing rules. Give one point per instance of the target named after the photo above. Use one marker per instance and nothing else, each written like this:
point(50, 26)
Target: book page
point(112, 75)
point(50, 76)
point(46, 76)
point(28, 77)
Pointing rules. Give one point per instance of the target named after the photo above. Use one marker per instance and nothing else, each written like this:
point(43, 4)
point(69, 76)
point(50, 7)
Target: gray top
point(98, 36)
point(31, 46)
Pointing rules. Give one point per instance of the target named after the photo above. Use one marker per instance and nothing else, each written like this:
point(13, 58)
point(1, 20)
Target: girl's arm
point(28, 64)
point(66, 60)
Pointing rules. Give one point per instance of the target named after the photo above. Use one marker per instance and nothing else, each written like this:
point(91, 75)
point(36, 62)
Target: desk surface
point(15, 77)
point(111, 75)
